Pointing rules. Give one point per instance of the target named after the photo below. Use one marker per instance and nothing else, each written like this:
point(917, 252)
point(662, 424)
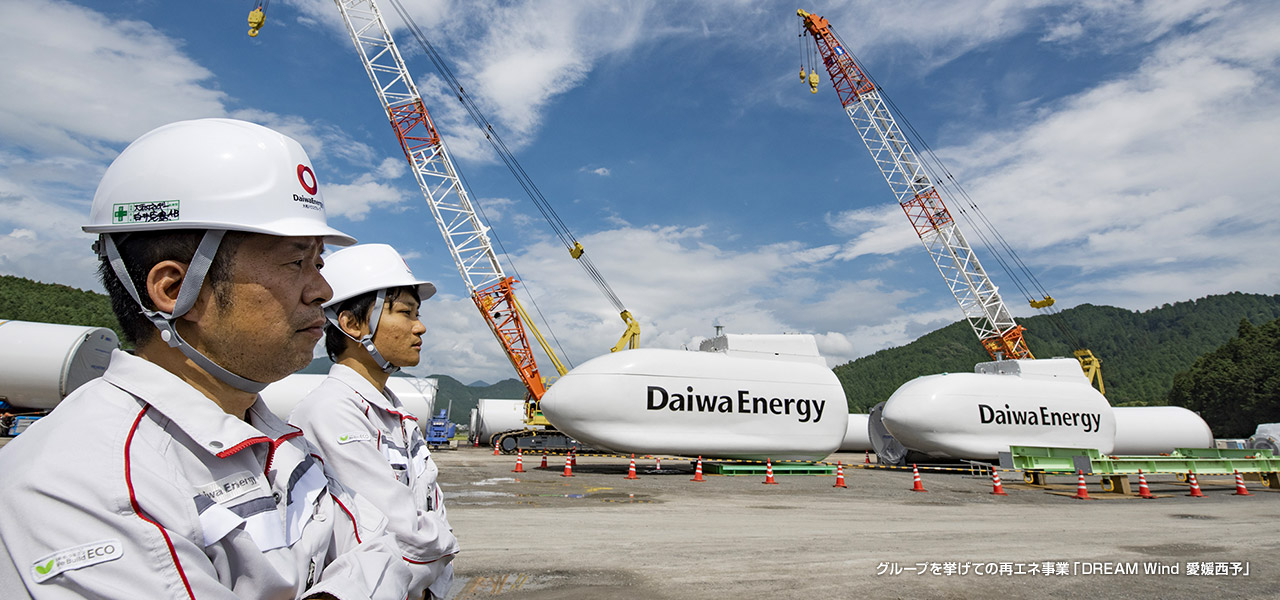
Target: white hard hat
point(213, 174)
point(366, 268)
point(216, 175)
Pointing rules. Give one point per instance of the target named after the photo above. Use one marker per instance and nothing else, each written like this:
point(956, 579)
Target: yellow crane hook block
point(813, 82)
point(256, 20)
point(1046, 303)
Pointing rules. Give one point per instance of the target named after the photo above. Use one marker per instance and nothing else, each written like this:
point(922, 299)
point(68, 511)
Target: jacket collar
point(384, 399)
point(194, 413)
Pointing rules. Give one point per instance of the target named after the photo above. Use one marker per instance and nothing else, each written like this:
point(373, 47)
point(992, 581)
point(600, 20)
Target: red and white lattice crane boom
point(916, 193)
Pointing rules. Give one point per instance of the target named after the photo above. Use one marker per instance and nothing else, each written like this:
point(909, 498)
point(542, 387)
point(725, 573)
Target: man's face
point(264, 323)
point(399, 335)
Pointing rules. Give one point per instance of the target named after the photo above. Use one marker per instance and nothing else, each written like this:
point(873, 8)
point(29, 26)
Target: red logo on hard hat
point(307, 179)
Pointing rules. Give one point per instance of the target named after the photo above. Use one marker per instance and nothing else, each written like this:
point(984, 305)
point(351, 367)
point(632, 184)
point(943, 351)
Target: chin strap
point(375, 313)
point(187, 294)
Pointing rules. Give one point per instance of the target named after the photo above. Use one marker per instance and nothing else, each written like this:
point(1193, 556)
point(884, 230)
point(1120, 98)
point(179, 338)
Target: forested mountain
point(1140, 351)
point(465, 397)
point(22, 299)
point(1237, 386)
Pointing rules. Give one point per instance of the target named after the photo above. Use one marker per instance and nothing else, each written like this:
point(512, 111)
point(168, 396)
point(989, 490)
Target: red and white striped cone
point(1143, 490)
point(839, 476)
point(867, 460)
point(996, 488)
point(568, 468)
point(657, 463)
point(1240, 489)
point(631, 470)
point(1195, 487)
point(768, 472)
point(544, 461)
point(519, 462)
point(495, 448)
point(697, 472)
point(1082, 492)
point(573, 456)
point(916, 485)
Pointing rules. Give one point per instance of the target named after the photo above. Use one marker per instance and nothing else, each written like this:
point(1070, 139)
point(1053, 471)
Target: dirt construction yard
point(598, 534)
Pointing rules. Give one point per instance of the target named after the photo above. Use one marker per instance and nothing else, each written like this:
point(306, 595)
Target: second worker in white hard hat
point(365, 435)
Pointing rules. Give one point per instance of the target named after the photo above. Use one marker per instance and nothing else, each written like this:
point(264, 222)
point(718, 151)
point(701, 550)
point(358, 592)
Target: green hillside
point(22, 299)
point(1236, 386)
point(1140, 351)
point(465, 397)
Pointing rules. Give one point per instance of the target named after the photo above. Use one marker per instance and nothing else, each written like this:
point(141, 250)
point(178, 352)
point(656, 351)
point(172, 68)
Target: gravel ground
point(599, 535)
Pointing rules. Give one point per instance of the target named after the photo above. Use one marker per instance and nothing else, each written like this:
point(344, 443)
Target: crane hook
point(256, 20)
point(801, 72)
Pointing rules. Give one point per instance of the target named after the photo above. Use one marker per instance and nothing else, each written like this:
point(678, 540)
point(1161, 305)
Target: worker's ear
point(164, 283)
point(347, 321)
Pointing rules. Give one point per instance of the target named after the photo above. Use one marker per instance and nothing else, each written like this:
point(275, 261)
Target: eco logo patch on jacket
point(75, 558)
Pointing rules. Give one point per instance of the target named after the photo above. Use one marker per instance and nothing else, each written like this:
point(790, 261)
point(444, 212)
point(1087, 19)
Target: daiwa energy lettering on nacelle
point(710, 404)
point(1045, 402)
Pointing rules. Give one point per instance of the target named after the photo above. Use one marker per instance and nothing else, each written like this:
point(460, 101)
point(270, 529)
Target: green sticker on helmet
point(162, 211)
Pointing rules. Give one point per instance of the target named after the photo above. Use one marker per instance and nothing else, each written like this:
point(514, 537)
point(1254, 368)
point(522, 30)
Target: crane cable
point(522, 177)
point(934, 165)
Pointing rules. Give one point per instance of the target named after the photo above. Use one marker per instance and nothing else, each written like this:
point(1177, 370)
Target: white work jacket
point(373, 446)
point(139, 486)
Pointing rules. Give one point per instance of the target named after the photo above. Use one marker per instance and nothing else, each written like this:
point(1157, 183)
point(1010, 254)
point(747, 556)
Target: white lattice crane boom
point(915, 192)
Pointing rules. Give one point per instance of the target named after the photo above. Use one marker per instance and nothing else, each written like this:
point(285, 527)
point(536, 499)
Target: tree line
point(1141, 351)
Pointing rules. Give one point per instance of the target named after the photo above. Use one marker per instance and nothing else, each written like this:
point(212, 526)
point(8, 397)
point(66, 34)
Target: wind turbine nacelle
point(1045, 402)
point(709, 404)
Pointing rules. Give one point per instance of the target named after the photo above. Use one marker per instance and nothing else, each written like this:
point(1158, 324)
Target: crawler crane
point(913, 187)
point(465, 235)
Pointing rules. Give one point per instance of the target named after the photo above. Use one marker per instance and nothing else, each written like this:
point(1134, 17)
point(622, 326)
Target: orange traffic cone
point(768, 472)
point(916, 485)
point(1082, 492)
point(631, 470)
point(568, 468)
point(495, 448)
point(839, 476)
point(1195, 487)
point(1143, 490)
point(1240, 489)
point(544, 461)
point(697, 472)
point(996, 488)
point(519, 462)
point(867, 460)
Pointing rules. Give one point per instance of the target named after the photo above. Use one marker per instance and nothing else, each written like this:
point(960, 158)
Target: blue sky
point(1124, 149)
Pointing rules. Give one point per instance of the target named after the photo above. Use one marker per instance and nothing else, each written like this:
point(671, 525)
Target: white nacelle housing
point(417, 393)
point(857, 437)
point(777, 404)
point(1044, 402)
point(41, 363)
point(496, 415)
point(1147, 430)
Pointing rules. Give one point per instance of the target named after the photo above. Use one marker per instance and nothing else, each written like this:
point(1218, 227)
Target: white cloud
point(1064, 32)
point(601, 171)
point(80, 84)
point(677, 282)
point(355, 200)
point(1153, 174)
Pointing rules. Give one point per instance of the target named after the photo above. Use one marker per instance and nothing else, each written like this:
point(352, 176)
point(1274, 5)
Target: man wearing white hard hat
point(364, 432)
point(168, 477)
